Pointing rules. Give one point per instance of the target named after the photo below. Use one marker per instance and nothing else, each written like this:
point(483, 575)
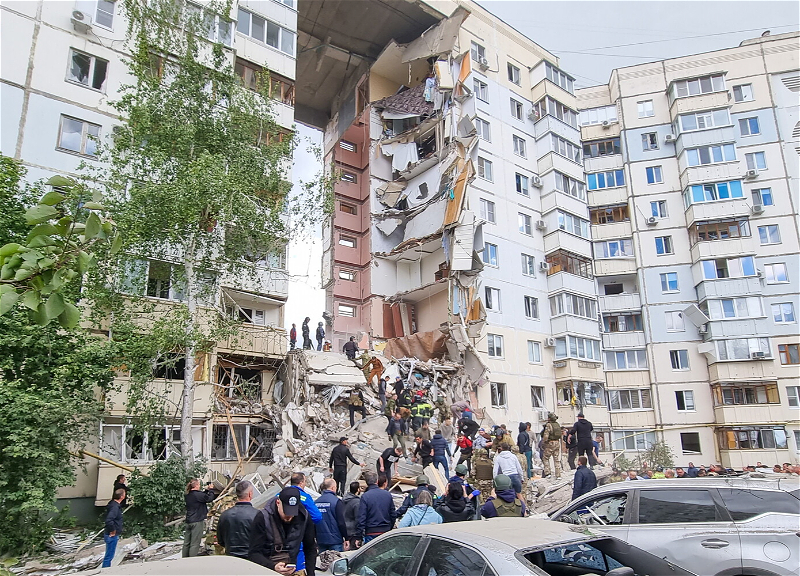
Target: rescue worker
point(503, 502)
point(552, 445)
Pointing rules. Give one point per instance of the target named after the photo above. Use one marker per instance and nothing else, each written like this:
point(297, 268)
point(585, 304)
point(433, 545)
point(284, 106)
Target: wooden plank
point(435, 477)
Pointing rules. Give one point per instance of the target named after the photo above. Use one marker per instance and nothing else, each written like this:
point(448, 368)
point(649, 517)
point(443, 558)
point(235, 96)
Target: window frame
point(528, 265)
point(640, 396)
point(484, 167)
point(670, 324)
point(525, 223)
point(654, 174)
point(679, 360)
point(267, 21)
point(347, 275)
point(488, 210)
point(664, 246)
point(522, 184)
point(758, 195)
point(514, 72)
point(535, 355)
point(771, 277)
point(749, 123)
point(346, 313)
point(487, 246)
point(499, 394)
point(97, 11)
point(90, 75)
point(785, 353)
point(744, 97)
point(531, 304)
point(492, 348)
point(480, 89)
point(650, 141)
point(483, 129)
point(491, 298)
point(681, 396)
point(517, 106)
point(769, 235)
point(345, 241)
point(520, 146)
point(644, 110)
point(751, 160)
point(85, 124)
point(665, 278)
point(782, 313)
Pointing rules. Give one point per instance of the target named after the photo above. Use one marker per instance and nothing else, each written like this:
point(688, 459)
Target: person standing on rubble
point(525, 448)
point(397, 432)
point(320, 336)
point(503, 501)
point(337, 463)
point(465, 451)
point(387, 462)
point(458, 407)
point(356, 404)
point(196, 514)
point(449, 433)
point(113, 526)
point(293, 337)
point(350, 348)
point(391, 406)
point(376, 514)
point(551, 437)
point(506, 463)
point(234, 526)
point(468, 427)
point(383, 383)
point(423, 452)
point(583, 433)
point(399, 386)
point(306, 334)
point(585, 480)
point(441, 452)
point(332, 530)
point(351, 503)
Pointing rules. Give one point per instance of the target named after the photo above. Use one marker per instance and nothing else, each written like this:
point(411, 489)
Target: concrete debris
point(90, 558)
point(546, 495)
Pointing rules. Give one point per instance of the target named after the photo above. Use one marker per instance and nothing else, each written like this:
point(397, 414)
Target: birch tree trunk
point(187, 406)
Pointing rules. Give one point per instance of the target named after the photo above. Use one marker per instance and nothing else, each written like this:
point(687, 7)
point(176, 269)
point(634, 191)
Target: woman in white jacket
point(421, 513)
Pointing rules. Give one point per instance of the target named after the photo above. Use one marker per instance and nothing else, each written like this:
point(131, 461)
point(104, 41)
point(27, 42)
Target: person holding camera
point(196, 514)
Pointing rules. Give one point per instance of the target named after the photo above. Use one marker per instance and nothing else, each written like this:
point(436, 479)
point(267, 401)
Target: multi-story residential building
point(62, 64)
point(693, 184)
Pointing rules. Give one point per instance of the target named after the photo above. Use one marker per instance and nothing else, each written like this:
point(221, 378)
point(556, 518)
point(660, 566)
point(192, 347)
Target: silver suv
point(711, 526)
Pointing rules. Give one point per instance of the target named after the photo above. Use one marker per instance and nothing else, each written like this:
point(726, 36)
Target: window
point(535, 356)
point(743, 93)
point(519, 146)
point(87, 70)
point(485, 169)
point(490, 254)
point(704, 120)
point(679, 359)
point(487, 210)
point(347, 208)
point(563, 261)
point(695, 86)
point(746, 503)
point(645, 109)
point(610, 179)
point(531, 307)
point(664, 245)
point(728, 268)
point(710, 154)
point(551, 107)
point(499, 399)
point(650, 141)
point(610, 214)
point(783, 313)
point(522, 184)
point(749, 126)
point(743, 348)
point(565, 148)
point(537, 392)
point(477, 52)
point(677, 506)
point(443, 557)
point(690, 442)
point(578, 347)
point(762, 196)
point(700, 193)
point(793, 396)
point(598, 115)
point(724, 308)
point(385, 556)
point(251, 316)
point(775, 273)
point(104, 15)
point(709, 231)
point(162, 281)
point(669, 282)
point(769, 234)
point(654, 175)
point(570, 186)
point(674, 321)
point(622, 248)
point(558, 77)
point(789, 353)
point(755, 160)
point(743, 393)
point(481, 90)
point(513, 73)
point(625, 360)
point(347, 146)
point(347, 241)
point(567, 303)
point(658, 208)
point(347, 311)
point(516, 109)
point(349, 177)
point(573, 224)
point(214, 27)
point(266, 31)
point(601, 148)
point(752, 438)
point(483, 129)
point(685, 400)
point(619, 400)
point(525, 224)
point(528, 265)
point(280, 88)
point(622, 323)
point(613, 289)
point(78, 136)
point(492, 297)
point(580, 393)
point(348, 275)
point(495, 345)
point(632, 439)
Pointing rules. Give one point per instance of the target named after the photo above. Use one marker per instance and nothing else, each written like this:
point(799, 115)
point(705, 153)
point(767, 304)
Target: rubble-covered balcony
point(578, 395)
point(741, 445)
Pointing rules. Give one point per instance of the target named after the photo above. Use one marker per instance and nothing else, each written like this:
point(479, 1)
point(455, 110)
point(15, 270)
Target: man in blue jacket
point(440, 448)
point(376, 514)
point(585, 480)
point(332, 530)
point(299, 481)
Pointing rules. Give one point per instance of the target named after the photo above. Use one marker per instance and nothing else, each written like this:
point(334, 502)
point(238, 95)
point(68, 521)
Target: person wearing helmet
point(552, 445)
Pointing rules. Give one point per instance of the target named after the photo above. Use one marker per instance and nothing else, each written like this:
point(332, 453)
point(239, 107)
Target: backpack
point(555, 431)
point(355, 400)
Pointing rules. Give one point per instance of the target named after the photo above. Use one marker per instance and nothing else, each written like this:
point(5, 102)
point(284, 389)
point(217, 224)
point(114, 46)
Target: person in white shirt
point(507, 463)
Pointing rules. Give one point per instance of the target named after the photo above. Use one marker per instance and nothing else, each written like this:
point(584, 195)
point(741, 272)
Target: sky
point(590, 38)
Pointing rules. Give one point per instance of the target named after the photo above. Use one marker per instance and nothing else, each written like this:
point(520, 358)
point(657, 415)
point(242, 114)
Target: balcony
point(609, 231)
point(623, 340)
point(608, 196)
point(562, 240)
point(749, 414)
point(597, 415)
point(737, 328)
point(620, 302)
point(627, 379)
point(710, 173)
point(552, 124)
point(170, 390)
point(704, 138)
point(719, 210)
point(547, 88)
point(700, 102)
point(728, 287)
point(634, 419)
point(614, 266)
point(270, 281)
point(742, 371)
point(603, 163)
point(574, 369)
point(575, 325)
point(552, 161)
point(257, 341)
point(730, 248)
point(566, 281)
point(555, 199)
point(598, 131)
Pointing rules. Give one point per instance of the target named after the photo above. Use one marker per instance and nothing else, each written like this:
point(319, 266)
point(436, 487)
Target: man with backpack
point(552, 445)
point(356, 404)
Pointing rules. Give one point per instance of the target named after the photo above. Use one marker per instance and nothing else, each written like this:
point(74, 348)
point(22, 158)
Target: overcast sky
point(586, 36)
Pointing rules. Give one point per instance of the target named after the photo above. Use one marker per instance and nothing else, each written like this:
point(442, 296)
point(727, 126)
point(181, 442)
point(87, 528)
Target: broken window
point(347, 311)
point(169, 366)
point(499, 399)
point(251, 316)
point(348, 208)
point(348, 275)
point(162, 281)
point(347, 241)
point(492, 298)
point(87, 69)
point(240, 381)
point(254, 440)
point(537, 397)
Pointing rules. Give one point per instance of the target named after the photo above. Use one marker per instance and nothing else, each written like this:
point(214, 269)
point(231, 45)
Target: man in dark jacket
point(113, 526)
point(454, 506)
point(468, 427)
point(411, 497)
point(377, 513)
point(332, 531)
point(585, 480)
point(355, 404)
point(441, 452)
point(387, 461)
point(350, 348)
point(338, 463)
point(423, 451)
point(320, 334)
point(282, 537)
point(235, 524)
point(525, 448)
point(572, 446)
point(196, 514)
point(306, 334)
point(351, 504)
point(583, 434)
point(120, 483)
point(503, 501)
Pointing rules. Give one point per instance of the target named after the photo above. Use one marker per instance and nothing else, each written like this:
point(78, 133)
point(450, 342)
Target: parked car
point(504, 547)
point(714, 526)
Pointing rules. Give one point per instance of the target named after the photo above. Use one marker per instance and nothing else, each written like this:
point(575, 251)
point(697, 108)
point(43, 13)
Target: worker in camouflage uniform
point(391, 406)
point(443, 410)
point(552, 445)
point(483, 472)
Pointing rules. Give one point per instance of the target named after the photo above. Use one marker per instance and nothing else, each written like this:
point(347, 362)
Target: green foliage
point(657, 455)
point(159, 497)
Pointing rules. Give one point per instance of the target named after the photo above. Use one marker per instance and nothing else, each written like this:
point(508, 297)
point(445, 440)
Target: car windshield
point(602, 511)
point(386, 557)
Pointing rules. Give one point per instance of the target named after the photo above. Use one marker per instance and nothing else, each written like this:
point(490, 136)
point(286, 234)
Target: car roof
point(196, 566)
point(787, 484)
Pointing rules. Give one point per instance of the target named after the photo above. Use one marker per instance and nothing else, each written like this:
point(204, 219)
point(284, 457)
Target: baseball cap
point(481, 429)
point(502, 482)
point(461, 469)
point(290, 499)
point(422, 479)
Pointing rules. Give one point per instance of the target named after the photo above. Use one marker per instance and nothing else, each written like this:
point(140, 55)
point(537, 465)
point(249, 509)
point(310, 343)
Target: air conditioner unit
point(757, 209)
point(81, 22)
point(483, 63)
point(544, 266)
point(541, 225)
point(606, 124)
point(751, 174)
point(702, 329)
point(757, 355)
point(549, 342)
point(536, 182)
point(652, 221)
point(669, 138)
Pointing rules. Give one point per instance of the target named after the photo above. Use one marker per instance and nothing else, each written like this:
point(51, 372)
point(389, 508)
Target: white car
point(501, 547)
